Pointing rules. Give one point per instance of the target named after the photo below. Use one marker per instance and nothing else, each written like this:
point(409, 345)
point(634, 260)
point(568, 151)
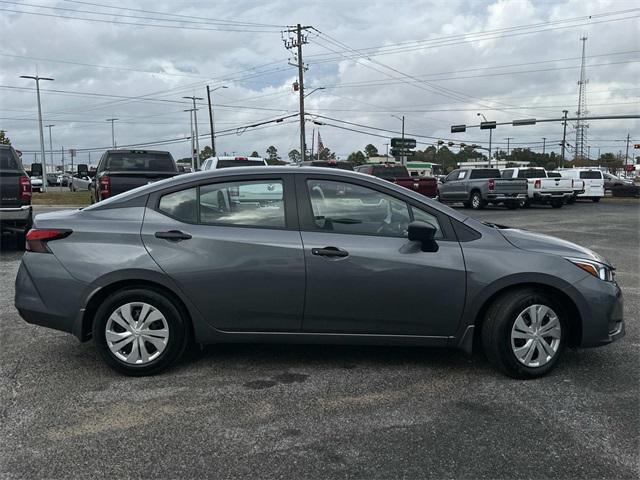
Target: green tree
point(294, 156)
point(254, 154)
point(326, 154)
point(357, 158)
point(206, 152)
point(371, 151)
point(4, 140)
point(272, 153)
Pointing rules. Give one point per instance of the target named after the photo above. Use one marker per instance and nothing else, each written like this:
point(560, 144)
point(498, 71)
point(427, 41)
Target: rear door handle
point(329, 252)
point(173, 235)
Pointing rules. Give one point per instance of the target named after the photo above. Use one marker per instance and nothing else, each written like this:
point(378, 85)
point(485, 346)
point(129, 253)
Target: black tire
point(556, 203)
point(571, 200)
point(476, 202)
point(512, 205)
point(466, 204)
point(177, 327)
point(595, 199)
point(498, 324)
point(526, 204)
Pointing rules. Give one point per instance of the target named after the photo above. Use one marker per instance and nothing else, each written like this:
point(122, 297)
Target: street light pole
point(113, 132)
point(544, 144)
point(44, 163)
point(508, 139)
point(402, 157)
point(213, 134)
point(195, 122)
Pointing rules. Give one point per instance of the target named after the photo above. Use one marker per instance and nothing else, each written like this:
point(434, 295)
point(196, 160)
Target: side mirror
point(424, 233)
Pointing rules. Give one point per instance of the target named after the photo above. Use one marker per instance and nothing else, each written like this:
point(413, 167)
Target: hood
point(538, 242)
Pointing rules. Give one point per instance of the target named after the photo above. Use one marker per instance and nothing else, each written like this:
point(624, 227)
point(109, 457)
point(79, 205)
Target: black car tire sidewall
point(496, 333)
point(175, 322)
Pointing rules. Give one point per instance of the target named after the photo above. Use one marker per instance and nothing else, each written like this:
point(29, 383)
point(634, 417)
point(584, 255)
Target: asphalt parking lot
point(326, 411)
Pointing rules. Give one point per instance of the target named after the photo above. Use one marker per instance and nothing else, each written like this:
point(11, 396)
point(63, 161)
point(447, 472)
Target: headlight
point(599, 270)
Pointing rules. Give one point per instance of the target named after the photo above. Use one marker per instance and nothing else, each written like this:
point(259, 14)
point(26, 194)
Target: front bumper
point(602, 312)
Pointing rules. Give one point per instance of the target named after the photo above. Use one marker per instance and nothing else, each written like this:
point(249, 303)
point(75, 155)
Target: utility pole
point(213, 134)
point(588, 152)
point(44, 163)
point(297, 42)
point(544, 144)
point(508, 139)
point(564, 135)
point(403, 160)
point(113, 132)
point(626, 155)
point(313, 141)
point(195, 122)
point(62, 156)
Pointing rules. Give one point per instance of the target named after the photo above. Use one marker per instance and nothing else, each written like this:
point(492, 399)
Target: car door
point(234, 248)
point(363, 275)
point(448, 187)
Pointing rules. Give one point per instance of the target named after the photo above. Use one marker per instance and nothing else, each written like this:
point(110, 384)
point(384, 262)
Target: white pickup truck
point(577, 184)
point(541, 189)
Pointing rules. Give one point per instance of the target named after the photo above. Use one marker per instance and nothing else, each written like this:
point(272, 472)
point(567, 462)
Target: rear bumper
point(506, 197)
point(16, 214)
point(16, 219)
point(46, 295)
point(546, 196)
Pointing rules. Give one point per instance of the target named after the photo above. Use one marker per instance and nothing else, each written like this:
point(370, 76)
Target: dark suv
point(15, 194)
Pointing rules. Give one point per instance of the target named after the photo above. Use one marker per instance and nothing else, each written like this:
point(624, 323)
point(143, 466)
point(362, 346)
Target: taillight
point(105, 186)
point(25, 188)
point(37, 238)
point(492, 184)
point(537, 184)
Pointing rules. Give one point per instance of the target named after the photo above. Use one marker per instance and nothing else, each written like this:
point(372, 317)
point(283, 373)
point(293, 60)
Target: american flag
point(320, 144)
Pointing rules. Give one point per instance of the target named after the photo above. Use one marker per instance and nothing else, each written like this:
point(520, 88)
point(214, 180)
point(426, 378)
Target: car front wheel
point(139, 332)
point(524, 333)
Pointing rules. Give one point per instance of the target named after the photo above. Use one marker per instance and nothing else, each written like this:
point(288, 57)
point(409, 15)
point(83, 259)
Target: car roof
point(136, 150)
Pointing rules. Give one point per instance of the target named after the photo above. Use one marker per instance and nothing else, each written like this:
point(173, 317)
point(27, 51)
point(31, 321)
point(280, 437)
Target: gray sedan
point(308, 255)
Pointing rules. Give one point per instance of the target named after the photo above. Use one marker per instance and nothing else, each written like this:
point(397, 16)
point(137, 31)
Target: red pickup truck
point(399, 175)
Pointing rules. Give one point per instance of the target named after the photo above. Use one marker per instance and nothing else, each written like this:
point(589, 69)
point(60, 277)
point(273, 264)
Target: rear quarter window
point(484, 173)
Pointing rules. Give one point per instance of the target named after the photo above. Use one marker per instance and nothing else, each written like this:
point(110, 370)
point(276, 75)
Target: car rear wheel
point(524, 333)
point(139, 332)
point(595, 199)
point(556, 203)
point(476, 202)
point(512, 205)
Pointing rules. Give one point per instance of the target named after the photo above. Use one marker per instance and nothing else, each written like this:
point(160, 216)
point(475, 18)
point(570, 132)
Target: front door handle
point(329, 252)
point(173, 235)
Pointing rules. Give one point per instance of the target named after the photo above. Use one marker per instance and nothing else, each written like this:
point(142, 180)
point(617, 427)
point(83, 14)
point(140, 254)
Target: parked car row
point(514, 187)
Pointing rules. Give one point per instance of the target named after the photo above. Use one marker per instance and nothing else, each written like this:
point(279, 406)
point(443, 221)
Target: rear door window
point(254, 204)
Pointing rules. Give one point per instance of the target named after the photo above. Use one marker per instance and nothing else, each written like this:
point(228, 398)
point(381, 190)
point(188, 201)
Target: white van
point(593, 181)
point(213, 163)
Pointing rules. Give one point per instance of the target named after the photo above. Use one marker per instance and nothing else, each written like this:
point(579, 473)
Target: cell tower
point(581, 126)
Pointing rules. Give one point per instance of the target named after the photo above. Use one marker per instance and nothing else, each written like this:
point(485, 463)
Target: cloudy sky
point(436, 62)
